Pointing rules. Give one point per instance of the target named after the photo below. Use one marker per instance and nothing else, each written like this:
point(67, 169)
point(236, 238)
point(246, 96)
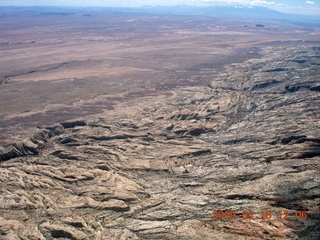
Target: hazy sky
point(296, 6)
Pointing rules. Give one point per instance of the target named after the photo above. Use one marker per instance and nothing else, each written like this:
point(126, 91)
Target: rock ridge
point(157, 167)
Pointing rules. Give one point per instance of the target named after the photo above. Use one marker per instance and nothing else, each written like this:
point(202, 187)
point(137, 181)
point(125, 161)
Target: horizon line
point(169, 6)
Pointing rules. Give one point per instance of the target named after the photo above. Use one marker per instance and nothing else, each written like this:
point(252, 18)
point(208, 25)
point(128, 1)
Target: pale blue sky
point(294, 6)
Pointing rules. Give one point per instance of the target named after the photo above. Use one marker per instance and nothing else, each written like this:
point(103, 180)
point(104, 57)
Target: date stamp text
point(264, 214)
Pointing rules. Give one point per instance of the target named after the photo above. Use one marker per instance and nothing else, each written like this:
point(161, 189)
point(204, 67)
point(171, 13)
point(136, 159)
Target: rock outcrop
point(248, 144)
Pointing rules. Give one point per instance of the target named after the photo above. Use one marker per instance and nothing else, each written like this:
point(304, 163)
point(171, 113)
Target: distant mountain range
point(236, 11)
point(225, 11)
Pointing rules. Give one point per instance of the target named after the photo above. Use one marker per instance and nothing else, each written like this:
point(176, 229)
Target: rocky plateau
point(158, 167)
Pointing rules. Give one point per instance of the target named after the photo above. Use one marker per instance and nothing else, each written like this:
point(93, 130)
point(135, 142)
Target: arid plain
point(127, 124)
point(63, 64)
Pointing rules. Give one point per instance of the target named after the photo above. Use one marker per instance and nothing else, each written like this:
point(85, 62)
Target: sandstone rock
point(6, 226)
point(158, 170)
point(24, 148)
point(62, 231)
point(56, 129)
point(75, 222)
point(72, 124)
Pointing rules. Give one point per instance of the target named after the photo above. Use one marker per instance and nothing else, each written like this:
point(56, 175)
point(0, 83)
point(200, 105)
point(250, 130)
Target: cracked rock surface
point(157, 167)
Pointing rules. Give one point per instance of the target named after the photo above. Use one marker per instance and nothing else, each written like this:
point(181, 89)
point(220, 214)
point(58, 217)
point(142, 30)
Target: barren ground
point(60, 66)
point(133, 126)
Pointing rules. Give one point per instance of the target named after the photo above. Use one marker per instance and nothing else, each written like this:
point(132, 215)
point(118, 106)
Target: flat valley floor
point(57, 66)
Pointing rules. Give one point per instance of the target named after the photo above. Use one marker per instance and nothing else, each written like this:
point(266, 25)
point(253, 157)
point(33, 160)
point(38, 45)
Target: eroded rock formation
point(157, 168)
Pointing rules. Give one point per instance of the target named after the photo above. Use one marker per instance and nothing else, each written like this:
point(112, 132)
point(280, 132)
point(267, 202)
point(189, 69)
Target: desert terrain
point(58, 65)
point(131, 125)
